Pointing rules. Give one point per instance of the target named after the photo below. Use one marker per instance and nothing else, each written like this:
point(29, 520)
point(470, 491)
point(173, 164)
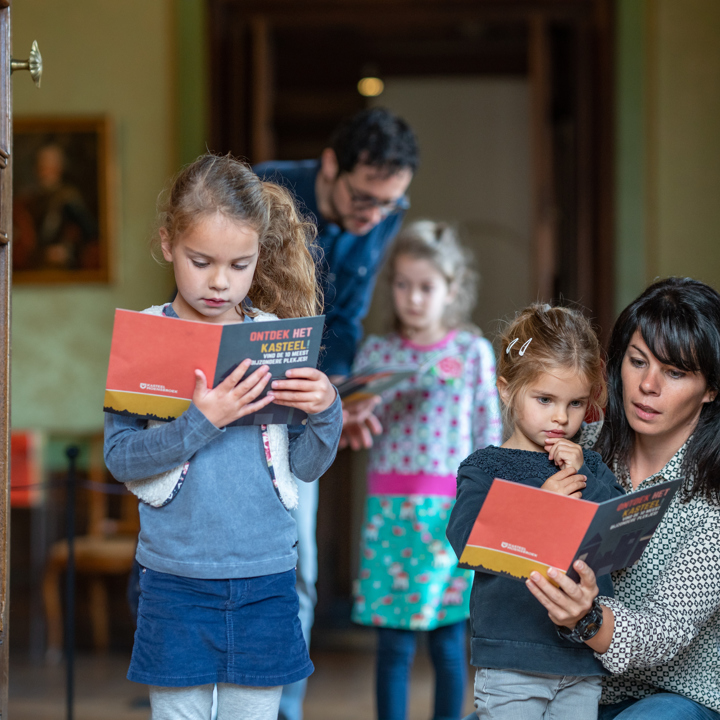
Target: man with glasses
point(356, 192)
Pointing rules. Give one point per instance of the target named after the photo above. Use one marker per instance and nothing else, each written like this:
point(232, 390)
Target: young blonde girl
point(549, 377)
point(409, 579)
point(217, 544)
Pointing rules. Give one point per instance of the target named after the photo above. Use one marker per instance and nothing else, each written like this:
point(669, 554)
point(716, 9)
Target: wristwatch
point(587, 626)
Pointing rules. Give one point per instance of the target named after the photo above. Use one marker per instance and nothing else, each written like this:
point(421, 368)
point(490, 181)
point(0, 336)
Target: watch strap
point(587, 627)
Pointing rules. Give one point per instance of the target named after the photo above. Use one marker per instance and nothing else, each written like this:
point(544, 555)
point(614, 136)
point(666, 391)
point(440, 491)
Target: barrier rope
point(105, 488)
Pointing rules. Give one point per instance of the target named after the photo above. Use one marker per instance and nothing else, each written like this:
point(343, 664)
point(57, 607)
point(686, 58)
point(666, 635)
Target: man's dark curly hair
point(375, 137)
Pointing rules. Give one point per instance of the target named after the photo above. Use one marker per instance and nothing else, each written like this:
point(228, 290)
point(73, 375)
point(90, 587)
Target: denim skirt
point(244, 631)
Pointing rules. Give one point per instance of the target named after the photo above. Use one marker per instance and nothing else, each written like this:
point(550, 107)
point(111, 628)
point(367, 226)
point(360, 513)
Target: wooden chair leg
point(53, 612)
point(99, 614)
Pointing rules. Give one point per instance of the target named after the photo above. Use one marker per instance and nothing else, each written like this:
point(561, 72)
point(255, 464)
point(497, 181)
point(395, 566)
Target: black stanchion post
point(72, 453)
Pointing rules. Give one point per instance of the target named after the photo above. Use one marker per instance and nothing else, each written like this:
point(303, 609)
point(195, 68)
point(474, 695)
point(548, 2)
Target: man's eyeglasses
point(360, 201)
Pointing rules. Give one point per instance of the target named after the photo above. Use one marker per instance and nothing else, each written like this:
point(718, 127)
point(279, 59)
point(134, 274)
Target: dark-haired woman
point(660, 635)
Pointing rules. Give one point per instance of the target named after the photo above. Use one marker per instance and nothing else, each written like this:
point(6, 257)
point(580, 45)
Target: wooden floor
point(340, 689)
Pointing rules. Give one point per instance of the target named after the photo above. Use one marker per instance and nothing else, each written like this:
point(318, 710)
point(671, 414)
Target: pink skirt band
point(420, 484)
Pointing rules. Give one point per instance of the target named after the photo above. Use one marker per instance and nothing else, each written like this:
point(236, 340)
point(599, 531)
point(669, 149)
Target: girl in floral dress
point(409, 579)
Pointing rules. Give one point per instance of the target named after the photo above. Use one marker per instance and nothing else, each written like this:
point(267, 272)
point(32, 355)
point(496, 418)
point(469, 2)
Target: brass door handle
point(33, 64)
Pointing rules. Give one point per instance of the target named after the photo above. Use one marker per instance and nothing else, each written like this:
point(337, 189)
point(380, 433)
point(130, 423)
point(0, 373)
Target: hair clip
point(524, 347)
point(509, 347)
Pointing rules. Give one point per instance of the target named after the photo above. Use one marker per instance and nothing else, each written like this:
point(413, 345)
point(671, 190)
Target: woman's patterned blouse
point(667, 605)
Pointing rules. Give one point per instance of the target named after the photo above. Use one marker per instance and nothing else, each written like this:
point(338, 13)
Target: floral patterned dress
point(408, 571)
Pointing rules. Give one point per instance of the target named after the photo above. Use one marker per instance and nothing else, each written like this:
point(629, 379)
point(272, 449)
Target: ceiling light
point(370, 86)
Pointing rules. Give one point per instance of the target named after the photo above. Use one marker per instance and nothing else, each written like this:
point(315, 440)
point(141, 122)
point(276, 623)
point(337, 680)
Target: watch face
point(591, 628)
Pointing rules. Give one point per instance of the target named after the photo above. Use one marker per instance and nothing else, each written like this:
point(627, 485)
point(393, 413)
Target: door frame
point(5, 286)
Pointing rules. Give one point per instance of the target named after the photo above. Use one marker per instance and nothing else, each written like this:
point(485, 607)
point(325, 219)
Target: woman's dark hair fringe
point(679, 320)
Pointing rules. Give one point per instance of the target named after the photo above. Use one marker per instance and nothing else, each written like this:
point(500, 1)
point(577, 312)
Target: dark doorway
point(285, 72)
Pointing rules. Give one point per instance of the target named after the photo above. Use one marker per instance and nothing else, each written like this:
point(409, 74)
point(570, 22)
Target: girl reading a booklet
point(549, 377)
point(409, 579)
point(217, 543)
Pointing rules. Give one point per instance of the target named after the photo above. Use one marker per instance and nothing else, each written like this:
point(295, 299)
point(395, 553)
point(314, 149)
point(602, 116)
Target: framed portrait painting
point(61, 200)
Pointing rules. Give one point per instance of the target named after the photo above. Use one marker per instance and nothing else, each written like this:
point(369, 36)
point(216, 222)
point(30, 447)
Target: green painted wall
point(684, 109)
point(630, 251)
point(99, 57)
point(668, 142)
point(193, 97)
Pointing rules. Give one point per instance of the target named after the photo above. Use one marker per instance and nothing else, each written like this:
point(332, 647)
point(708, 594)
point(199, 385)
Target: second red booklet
point(522, 528)
point(153, 358)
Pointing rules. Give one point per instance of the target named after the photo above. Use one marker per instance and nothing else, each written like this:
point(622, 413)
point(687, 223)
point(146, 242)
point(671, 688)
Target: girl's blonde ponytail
point(285, 280)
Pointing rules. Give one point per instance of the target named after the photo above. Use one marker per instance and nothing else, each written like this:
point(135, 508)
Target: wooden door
point(5, 281)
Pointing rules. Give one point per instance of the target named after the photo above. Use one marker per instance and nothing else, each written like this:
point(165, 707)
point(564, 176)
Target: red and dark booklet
point(521, 528)
point(153, 360)
point(374, 380)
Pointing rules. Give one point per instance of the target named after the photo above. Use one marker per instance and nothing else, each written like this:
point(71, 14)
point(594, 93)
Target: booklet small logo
point(517, 548)
point(157, 388)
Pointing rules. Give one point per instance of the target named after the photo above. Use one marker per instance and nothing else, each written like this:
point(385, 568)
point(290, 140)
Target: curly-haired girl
point(218, 601)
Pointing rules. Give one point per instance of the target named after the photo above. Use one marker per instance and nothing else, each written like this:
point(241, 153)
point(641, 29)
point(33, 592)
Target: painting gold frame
point(62, 200)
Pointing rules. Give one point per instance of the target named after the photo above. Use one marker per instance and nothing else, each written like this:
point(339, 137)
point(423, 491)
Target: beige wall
point(474, 136)
point(683, 140)
point(105, 57)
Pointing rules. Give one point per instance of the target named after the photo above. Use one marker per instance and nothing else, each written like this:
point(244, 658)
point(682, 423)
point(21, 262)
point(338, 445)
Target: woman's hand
point(570, 601)
point(564, 453)
point(360, 424)
point(306, 389)
point(566, 482)
point(231, 399)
